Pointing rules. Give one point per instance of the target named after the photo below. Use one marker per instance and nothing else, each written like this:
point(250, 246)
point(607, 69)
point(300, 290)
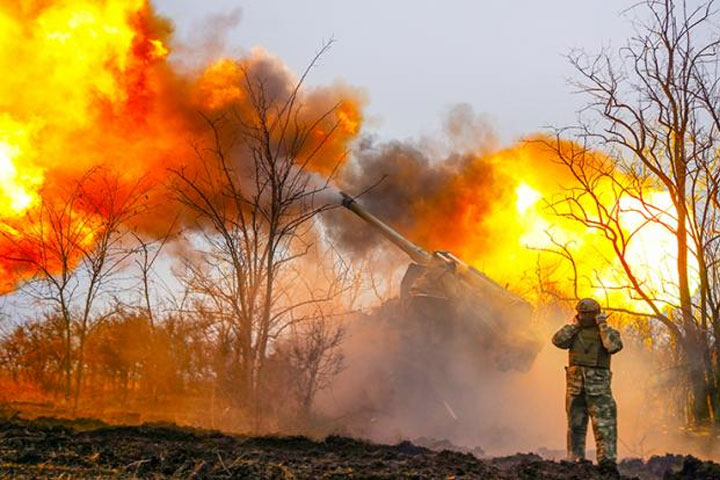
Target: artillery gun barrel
point(418, 254)
point(477, 280)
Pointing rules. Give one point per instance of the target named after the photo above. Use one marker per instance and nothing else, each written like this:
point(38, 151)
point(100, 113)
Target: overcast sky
point(416, 58)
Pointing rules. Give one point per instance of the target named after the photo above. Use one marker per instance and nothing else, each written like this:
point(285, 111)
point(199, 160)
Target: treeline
point(183, 368)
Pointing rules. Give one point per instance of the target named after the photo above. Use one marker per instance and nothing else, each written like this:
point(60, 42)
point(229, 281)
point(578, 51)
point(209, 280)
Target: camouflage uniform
point(588, 385)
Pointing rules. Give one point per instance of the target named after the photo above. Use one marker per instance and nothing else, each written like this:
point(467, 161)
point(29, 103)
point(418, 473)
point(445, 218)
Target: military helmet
point(587, 305)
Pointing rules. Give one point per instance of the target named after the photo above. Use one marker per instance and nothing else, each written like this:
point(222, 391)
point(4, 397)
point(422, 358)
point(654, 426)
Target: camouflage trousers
point(589, 398)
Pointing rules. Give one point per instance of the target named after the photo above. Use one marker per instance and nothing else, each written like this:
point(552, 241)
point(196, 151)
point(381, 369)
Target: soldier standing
point(591, 342)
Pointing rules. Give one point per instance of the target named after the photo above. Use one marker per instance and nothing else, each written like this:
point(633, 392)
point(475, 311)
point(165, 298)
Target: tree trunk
point(699, 386)
point(79, 372)
point(67, 361)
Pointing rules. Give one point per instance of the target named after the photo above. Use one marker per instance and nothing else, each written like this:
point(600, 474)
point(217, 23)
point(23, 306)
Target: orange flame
point(494, 215)
point(86, 84)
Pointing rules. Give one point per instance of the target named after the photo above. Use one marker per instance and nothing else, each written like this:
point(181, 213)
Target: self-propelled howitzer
point(439, 287)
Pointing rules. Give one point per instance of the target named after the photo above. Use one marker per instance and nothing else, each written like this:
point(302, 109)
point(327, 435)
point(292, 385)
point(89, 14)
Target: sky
point(415, 59)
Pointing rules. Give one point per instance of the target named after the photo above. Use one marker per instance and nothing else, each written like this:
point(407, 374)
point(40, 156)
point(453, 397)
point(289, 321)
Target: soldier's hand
point(601, 318)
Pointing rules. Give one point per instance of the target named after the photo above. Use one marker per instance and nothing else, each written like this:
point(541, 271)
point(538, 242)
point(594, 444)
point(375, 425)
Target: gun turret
point(495, 315)
point(474, 278)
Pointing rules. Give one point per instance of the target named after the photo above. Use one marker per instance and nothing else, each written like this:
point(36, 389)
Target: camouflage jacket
point(588, 380)
point(610, 337)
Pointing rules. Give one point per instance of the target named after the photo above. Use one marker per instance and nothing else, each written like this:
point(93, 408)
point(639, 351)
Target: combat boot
point(608, 468)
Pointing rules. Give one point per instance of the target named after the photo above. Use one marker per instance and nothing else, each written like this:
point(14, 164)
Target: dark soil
point(49, 448)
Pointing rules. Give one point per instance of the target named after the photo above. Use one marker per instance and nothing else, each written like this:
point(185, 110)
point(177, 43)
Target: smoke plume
point(95, 92)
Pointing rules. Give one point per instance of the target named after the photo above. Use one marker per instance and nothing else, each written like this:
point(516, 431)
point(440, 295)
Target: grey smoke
point(397, 178)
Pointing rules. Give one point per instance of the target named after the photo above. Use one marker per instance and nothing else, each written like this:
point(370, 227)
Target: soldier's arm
point(563, 338)
point(610, 337)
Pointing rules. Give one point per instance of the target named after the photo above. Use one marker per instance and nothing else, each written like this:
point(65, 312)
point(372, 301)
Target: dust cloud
point(429, 396)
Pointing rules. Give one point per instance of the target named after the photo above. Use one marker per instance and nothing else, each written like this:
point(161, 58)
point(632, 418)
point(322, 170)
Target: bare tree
point(148, 253)
point(651, 125)
point(72, 246)
point(253, 202)
point(33, 353)
point(315, 358)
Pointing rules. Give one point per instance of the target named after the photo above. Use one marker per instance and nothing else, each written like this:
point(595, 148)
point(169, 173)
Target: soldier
point(591, 342)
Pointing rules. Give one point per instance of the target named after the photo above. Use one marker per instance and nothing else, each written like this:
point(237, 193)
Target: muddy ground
point(49, 448)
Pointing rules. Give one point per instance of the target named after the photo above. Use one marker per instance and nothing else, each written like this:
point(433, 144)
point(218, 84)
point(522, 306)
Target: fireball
point(500, 220)
point(87, 87)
